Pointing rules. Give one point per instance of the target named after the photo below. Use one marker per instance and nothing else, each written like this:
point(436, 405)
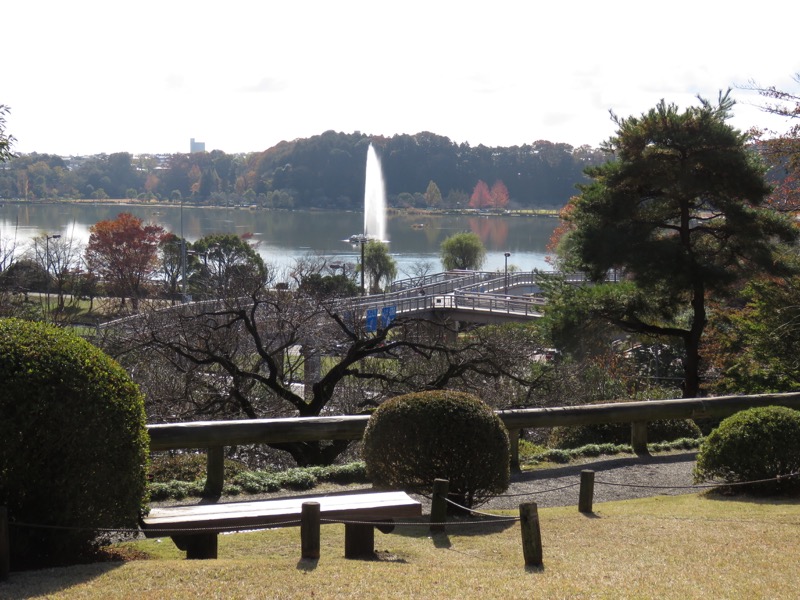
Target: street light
point(505, 278)
point(183, 260)
point(360, 238)
point(47, 239)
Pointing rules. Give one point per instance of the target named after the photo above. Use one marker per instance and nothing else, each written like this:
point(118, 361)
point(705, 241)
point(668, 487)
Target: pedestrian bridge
point(481, 297)
point(466, 296)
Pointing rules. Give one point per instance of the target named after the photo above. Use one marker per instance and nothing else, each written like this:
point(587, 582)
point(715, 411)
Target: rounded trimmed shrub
point(73, 450)
point(413, 439)
point(754, 444)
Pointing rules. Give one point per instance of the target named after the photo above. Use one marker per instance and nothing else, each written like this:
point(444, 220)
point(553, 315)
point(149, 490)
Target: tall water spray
point(374, 199)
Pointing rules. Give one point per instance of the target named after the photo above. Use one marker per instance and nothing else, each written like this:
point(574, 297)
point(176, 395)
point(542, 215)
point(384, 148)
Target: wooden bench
point(194, 528)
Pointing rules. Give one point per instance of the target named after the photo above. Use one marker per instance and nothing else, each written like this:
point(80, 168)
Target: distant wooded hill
point(325, 171)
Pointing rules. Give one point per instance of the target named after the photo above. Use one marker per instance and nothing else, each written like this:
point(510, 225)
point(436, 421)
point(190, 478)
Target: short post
point(441, 487)
point(309, 530)
point(359, 540)
point(5, 548)
point(215, 471)
point(639, 437)
point(586, 495)
point(531, 534)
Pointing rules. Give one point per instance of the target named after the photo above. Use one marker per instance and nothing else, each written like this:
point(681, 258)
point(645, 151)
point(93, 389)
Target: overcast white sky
point(85, 77)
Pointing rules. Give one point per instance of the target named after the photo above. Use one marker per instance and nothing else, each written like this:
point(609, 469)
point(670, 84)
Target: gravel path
point(668, 474)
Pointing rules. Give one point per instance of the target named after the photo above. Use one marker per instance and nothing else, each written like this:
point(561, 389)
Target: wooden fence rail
point(215, 435)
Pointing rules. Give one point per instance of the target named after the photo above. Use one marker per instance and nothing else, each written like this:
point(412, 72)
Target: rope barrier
point(495, 518)
point(698, 485)
point(492, 518)
point(556, 489)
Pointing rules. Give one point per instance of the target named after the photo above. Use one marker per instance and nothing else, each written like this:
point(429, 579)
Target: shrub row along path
point(632, 476)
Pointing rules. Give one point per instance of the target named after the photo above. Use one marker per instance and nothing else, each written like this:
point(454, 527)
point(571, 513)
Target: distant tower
point(196, 146)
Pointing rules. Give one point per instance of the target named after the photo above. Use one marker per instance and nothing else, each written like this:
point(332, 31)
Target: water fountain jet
point(374, 207)
point(374, 202)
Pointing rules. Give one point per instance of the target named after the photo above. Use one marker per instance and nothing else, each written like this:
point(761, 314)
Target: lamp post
point(505, 277)
point(363, 241)
point(360, 238)
point(183, 260)
point(47, 239)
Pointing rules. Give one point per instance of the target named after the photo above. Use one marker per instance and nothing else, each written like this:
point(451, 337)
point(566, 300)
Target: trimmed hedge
point(74, 443)
point(576, 436)
point(752, 445)
point(413, 439)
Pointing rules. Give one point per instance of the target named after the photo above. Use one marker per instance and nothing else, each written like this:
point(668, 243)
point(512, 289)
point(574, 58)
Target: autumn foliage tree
point(481, 196)
point(782, 152)
point(433, 195)
point(123, 252)
point(499, 194)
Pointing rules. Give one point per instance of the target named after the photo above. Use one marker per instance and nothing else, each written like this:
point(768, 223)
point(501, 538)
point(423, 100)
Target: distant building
point(196, 146)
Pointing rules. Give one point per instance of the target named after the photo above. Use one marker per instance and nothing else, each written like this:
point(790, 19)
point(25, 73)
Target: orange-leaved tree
point(499, 194)
point(782, 152)
point(481, 196)
point(124, 253)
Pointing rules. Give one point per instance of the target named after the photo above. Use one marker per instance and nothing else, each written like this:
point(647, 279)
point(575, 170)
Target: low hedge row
point(262, 482)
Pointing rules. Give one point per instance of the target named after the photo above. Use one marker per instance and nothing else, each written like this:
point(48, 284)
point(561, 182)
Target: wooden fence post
point(309, 530)
point(5, 548)
point(639, 437)
point(513, 442)
point(441, 487)
point(531, 534)
point(215, 471)
point(586, 495)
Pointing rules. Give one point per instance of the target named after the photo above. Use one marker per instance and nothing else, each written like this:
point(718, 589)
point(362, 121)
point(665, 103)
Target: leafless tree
point(247, 357)
point(60, 259)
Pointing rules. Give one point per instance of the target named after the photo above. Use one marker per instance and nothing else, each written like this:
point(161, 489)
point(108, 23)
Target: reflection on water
point(284, 236)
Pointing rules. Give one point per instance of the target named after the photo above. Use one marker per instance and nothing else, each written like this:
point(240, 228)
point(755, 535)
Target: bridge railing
point(497, 303)
point(216, 435)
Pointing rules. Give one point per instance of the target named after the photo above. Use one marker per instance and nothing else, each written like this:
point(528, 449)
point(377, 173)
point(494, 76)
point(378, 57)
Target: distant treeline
point(325, 171)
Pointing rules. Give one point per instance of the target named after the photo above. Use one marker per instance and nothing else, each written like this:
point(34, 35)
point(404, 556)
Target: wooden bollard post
point(531, 534)
point(639, 437)
point(5, 548)
point(309, 530)
point(441, 487)
point(513, 442)
point(586, 495)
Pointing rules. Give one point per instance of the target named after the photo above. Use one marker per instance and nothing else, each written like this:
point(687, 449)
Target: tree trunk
point(691, 341)
point(307, 454)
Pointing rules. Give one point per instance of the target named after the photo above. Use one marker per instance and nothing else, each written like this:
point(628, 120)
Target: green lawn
point(691, 546)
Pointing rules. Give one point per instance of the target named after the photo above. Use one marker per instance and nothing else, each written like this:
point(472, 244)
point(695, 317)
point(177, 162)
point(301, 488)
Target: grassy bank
point(665, 547)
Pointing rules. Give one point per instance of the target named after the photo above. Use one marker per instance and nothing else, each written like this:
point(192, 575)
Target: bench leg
point(202, 545)
point(359, 541)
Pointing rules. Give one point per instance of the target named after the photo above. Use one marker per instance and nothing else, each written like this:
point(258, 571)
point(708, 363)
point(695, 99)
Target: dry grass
point(666, 547)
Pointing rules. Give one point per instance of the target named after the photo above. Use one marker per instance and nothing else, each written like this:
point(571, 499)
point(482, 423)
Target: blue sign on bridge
point(387, 315)
point(371, 322)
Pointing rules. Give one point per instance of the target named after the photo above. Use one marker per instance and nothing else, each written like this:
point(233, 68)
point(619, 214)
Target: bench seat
point(194, 528)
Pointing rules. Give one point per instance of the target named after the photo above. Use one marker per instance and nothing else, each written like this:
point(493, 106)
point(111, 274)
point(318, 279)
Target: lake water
point(284, 236)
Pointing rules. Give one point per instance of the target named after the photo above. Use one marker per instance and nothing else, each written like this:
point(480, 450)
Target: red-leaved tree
point(481, 196)
point(499, 195)
point(123, 252)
